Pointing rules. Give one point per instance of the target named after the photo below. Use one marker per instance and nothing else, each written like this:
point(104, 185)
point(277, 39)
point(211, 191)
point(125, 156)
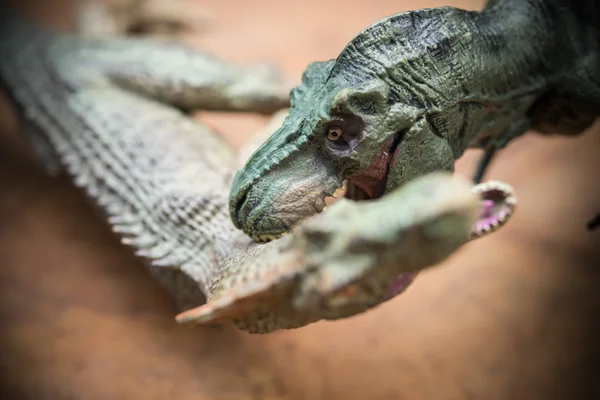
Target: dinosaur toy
point(410, 93)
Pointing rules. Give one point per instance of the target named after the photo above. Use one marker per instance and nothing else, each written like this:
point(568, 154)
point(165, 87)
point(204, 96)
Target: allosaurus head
point(354, 256)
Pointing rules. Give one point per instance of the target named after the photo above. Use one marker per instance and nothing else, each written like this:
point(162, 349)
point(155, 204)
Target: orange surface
point(511, 316)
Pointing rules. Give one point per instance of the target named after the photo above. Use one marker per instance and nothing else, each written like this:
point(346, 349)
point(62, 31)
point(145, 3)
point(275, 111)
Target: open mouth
point(499, 203)
point(371, 183)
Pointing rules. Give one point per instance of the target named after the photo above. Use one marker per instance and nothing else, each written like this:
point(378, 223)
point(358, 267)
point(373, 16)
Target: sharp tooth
point(511, 201)
point(265, 238)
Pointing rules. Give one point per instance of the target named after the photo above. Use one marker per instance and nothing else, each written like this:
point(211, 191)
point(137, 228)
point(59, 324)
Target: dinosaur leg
point(167, 18)
point(170, 72)
point(186, 78)
point(515, 129)
point(483, 164)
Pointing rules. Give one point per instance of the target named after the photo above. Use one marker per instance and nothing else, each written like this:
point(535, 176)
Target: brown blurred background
point(512, 316)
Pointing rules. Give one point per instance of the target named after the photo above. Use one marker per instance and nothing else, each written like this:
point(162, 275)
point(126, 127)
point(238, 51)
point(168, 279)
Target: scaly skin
point(409, 94)
point(108, 113)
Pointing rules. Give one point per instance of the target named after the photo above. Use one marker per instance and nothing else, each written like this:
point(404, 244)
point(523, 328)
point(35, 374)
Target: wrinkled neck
point(529, 27)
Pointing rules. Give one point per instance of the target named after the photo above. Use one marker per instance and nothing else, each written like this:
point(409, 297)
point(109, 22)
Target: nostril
point(242, 200)
point(236, 205)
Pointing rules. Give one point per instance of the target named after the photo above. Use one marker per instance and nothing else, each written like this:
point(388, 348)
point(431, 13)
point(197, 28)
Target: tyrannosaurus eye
point(342, 133)
point(334, 134)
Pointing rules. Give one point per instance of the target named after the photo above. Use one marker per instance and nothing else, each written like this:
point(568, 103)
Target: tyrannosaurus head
point(350, 121)
point(336, 131)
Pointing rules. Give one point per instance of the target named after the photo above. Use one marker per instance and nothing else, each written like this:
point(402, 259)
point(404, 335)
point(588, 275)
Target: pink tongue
point(487, 217)
point(488, 205)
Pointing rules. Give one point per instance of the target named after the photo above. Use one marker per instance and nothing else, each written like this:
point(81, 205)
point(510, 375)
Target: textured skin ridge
point(398, 58)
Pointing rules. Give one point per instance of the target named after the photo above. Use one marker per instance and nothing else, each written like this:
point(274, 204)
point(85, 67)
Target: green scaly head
point(350, 122)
